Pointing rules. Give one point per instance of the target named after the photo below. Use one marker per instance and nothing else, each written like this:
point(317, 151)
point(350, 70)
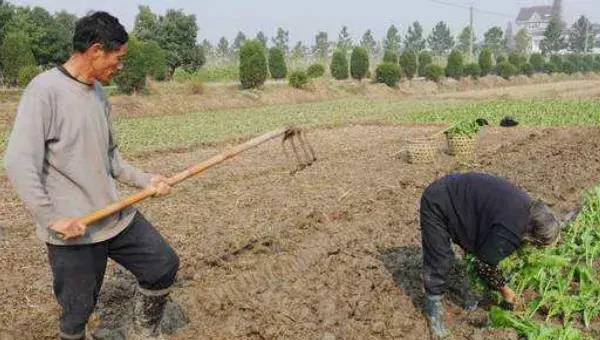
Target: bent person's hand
point(68, 228)
point(509, 295)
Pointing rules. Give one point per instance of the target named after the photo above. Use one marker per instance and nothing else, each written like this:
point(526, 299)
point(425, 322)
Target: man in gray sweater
point(62, 160)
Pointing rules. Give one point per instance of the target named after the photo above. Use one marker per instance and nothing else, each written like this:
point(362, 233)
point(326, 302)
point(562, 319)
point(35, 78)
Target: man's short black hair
point(99, 27)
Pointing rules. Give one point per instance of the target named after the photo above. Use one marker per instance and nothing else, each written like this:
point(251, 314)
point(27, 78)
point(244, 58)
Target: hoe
point(290, 135)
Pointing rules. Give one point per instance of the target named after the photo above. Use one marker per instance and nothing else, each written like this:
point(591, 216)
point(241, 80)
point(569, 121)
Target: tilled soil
point(332, 252)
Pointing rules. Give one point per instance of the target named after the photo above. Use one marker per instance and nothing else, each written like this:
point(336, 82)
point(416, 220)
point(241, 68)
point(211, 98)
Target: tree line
point(32, 39)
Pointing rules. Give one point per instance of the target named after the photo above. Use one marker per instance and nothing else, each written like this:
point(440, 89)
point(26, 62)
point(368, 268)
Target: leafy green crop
point(463, 127)
point(562, 282)
point(529, 112)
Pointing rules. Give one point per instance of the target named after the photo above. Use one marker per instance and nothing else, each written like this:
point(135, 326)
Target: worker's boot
point(148, 312)
point(435, 315)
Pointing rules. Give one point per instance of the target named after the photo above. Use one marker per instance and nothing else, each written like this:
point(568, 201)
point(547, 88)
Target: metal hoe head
point(305, 156)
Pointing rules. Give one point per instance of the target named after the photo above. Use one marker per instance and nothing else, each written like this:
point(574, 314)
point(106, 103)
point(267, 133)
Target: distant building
point(535, 19)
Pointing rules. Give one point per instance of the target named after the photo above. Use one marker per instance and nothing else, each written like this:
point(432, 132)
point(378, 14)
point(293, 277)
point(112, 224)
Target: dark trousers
point(78, 271)
point(438, 256)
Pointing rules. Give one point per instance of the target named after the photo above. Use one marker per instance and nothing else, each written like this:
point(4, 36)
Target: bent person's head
point(103, 41)
point(543, 228)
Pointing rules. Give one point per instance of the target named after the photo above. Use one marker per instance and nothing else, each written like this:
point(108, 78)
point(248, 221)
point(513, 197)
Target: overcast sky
point(305, 17)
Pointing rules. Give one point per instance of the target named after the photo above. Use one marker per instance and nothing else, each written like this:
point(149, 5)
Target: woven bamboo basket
point(421, 150)
point(463, 146)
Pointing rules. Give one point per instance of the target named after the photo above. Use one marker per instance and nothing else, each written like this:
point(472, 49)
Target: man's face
point(107, 63)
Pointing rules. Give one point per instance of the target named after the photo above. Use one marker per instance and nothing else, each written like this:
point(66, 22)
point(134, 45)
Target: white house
point(535, 19)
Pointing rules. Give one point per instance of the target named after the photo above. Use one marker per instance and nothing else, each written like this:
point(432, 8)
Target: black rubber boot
point(148, 312)
point(435, 314)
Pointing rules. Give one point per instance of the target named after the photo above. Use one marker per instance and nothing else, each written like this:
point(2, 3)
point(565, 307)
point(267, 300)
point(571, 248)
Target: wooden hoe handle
point(177, 178)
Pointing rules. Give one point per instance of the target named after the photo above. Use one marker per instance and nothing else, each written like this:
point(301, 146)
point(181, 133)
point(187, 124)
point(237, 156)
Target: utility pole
point(471, 59)
point(587, 26)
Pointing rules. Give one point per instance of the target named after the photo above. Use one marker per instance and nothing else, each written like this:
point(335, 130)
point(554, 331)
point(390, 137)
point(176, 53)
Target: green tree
point(315, 70)
point(440, 40)
point(298, 79)
point(239, 40)
point(6, 15)
point(392, 40)
point(26, 75)
point(299, 52)
point(132, 78)
point(253, 64)
point(581, 38)
point(281, 40)
point(517, 59)
point(339, 65)
point(414, 38)
point(434, 72)
point(262, 38)
point(146, 26)
point(177, 37)
point(493, 39)
point(390, 57)
point(223, 50)
point(473, 70)
point(466, 36)
point(156, 60)
point(486, 61)
point(523, 41)
point(527, 69)
point(277, 66)
point(368, 43)
point(35, 24)
point(537, 61)
point(387, 73)
point(506, 69)
point(425, 59)
point(344, 43)
point(455, 66)
point(321, 47)
point(359, 63)
point(15, 53)
point(62, 37)
point(553, 40)
point(209, 50)
point(508, 44)
point(409, 63)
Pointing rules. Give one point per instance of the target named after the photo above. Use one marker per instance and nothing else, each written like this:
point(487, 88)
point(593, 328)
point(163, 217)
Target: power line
point(449, 4)
point(484, 11)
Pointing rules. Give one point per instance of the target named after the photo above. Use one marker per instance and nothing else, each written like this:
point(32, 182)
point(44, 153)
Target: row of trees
point(33, 39)
point(255, 65)
point(439, 41)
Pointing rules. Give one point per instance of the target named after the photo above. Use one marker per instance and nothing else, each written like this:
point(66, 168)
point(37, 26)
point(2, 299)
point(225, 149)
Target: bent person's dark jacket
point(486, 216)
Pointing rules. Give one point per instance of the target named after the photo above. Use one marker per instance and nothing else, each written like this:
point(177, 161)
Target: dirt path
point(331, 253)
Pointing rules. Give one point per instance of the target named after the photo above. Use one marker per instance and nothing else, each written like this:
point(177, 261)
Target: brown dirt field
point(332, 252)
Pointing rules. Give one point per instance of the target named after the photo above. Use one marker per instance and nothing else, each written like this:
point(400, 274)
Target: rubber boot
point(148, 311)
point(435, 315)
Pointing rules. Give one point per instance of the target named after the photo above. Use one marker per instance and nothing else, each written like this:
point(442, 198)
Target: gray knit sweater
point(61, 158)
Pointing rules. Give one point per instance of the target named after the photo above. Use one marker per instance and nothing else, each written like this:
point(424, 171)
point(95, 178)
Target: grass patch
point(141, 134)
point(559, 286)
point(223, 73)
point(529, 112)
point(151, 133)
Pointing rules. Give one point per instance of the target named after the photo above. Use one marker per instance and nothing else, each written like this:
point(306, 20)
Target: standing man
point(62, 161)
point(484, 215)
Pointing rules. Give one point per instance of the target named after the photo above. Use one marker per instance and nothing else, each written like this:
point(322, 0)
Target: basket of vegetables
point(462, 139)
